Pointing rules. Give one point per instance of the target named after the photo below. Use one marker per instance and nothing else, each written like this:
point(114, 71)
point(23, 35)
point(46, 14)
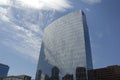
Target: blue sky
point(22, 23)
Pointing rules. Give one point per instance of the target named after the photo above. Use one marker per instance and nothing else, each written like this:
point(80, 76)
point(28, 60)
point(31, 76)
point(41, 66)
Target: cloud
point(21, 29)
point(22, 23)
point(23, 40)
point(57, 5)
point(4, 2)
point(3, 14)
point(91, 1)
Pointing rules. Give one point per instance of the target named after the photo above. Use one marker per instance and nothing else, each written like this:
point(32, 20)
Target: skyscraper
point(66, 45)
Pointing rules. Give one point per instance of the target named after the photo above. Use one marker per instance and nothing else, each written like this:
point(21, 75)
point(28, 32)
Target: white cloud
point(23, 40)
point(4, 2)
point(21, 29)
point(3, 14)
point(58, 5)
point(91, 1)
point(22, 21)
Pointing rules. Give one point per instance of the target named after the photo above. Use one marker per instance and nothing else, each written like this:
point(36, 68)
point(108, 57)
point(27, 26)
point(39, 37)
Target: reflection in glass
point(66, 45)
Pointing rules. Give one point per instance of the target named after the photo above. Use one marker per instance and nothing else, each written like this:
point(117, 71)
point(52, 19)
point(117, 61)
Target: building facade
point(107, 73)
point(68, 77)
point(20, 77)
point(3, 70)
point(66, 45)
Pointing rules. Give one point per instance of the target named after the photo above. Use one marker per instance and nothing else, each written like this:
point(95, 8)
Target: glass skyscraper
point(65, 44)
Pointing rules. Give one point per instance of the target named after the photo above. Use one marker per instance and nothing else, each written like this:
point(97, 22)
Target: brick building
point(107, 73)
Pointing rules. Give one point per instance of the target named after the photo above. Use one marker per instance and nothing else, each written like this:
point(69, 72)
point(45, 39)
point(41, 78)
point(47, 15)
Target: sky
point(22, 23)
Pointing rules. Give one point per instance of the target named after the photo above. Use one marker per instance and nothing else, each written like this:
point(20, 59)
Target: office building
point(107, 73)
point(3, 70)
point(66, 44)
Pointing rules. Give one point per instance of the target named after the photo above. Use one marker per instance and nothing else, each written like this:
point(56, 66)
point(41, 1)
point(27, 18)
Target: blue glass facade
point(3, 70)
point(66, 45)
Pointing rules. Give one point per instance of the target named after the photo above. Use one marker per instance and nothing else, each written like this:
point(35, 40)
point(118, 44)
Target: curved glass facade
point(66, 45)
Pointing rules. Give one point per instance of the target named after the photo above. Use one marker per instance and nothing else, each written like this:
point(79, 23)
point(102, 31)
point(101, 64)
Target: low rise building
point(20, 77)
point(107, 73)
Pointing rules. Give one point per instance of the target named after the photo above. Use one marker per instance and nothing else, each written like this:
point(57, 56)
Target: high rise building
point(66, 45)
point(3, 70)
